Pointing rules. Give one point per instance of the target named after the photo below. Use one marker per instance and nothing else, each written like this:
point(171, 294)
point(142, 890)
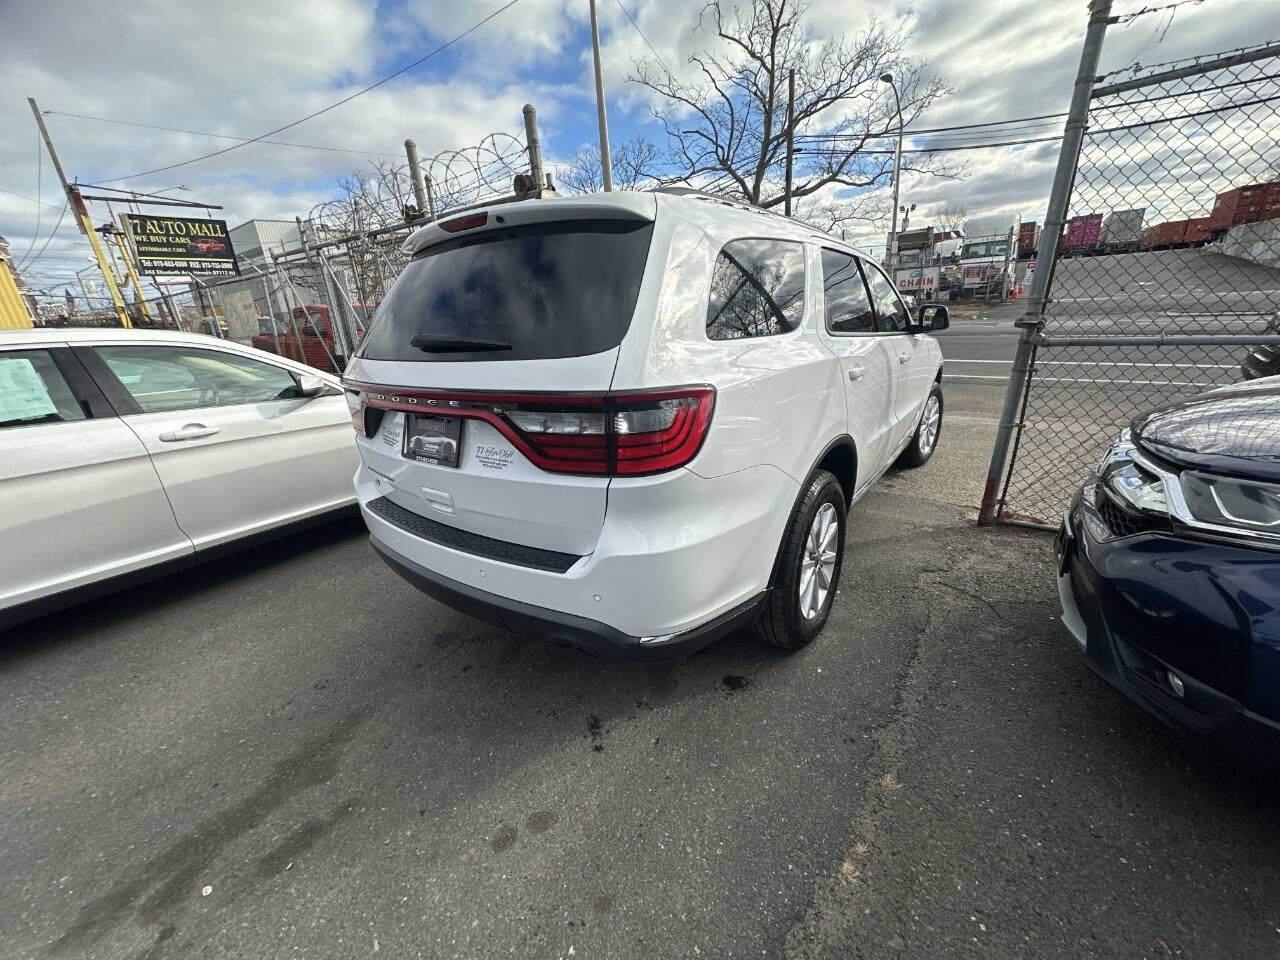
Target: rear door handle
point(192, 431)
point(857, 373)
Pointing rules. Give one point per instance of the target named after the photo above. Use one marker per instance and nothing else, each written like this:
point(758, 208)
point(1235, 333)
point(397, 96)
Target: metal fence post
point(415, 176)
point(1059, 197)
point(535, 149)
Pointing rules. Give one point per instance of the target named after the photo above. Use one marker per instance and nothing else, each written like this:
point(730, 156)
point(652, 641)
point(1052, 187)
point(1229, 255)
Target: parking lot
point(290, 752)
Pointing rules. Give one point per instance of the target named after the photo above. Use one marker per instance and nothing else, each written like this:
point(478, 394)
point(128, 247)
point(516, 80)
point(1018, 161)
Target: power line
point(1017, 121)
point(218, 136)
point(312, 116)
point(27, 262)
point(643, 37)
point(43, 203)
point(968, 146)
point(35, 235)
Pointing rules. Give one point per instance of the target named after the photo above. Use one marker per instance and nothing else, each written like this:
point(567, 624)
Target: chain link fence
point(1166, 273)
point(313, 303)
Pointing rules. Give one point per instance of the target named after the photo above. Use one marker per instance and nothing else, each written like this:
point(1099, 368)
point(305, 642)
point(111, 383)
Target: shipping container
point(1258, 192)
point(1199, 230)
point(1082, 233)
point(1170, 234)
point(1224, 209)
point(1028, 239)
point(1122, 230)
point(1255, 212)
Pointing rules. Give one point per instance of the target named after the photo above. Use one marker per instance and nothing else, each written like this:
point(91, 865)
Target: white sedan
point(125, 453)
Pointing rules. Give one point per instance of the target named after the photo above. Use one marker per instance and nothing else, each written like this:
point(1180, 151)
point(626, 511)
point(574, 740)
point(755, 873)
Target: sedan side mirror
point(310, 385)
point(934, 317)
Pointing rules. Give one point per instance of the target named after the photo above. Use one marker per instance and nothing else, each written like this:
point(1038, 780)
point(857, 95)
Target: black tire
point(918, 452)
point(782, 622)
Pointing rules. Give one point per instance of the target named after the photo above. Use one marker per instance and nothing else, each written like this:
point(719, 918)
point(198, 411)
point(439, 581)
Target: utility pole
point(897, 175)
point(125, 241)
point(415, 174)
point(535, 148)
point(791, 135)
point(76, 202)
point(606, 161)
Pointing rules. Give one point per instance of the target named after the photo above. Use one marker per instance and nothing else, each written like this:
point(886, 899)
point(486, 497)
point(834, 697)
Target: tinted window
point(180, 378)
point(564, 289)
point(890, 313)
point(757, 289)
point(32, 390)
point(848, 305)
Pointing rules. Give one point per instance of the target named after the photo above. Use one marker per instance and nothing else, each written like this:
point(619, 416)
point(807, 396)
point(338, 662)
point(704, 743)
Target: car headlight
point(1129, 481)
point(1141, 490)
point(1232, 503)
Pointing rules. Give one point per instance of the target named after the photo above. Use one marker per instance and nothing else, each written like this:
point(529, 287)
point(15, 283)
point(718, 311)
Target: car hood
point(1235, 431)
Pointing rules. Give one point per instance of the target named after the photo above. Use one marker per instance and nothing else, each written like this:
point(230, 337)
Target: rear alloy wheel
point(925, 441)
point(808, 571)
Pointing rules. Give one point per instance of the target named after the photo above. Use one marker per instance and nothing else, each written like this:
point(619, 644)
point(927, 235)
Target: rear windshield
point(548, 290)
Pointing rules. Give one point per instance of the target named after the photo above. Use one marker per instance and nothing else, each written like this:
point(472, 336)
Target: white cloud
point(241, 67)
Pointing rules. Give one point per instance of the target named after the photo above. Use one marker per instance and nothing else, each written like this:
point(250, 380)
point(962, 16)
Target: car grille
point(467, 542)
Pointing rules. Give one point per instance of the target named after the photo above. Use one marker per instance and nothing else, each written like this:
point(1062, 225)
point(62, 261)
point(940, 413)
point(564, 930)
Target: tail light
point(364, 417)
point(623, 434)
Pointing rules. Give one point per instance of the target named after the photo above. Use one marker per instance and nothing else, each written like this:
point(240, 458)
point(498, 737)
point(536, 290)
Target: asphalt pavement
point(291, 753)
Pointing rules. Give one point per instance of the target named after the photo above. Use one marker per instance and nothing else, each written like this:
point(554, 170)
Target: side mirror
point(934, 317)
point(310, 385)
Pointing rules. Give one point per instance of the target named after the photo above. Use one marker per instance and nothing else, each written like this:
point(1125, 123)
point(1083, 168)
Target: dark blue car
point(1169, 565)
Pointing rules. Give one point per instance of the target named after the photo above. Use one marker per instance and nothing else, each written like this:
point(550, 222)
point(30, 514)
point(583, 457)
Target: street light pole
point(606, 161)
point(897, 175)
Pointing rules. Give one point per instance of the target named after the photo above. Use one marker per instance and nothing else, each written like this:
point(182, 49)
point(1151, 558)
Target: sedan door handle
point(857, 373)
point(903, 358)
point(192, 431)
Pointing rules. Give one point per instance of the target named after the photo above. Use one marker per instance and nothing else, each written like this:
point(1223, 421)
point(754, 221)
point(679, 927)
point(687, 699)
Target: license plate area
point(434, 440)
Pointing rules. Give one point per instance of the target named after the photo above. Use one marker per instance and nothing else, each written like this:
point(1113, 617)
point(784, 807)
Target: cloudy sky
point(241, 67)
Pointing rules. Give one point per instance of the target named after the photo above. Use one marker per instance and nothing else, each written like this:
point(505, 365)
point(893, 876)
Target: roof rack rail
point(717, 198)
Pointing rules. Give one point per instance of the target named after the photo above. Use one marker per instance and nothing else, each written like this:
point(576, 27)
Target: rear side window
point(757, 289)
point(33, 390)
point(890, 312)
point(534, 292)
point(847, 302)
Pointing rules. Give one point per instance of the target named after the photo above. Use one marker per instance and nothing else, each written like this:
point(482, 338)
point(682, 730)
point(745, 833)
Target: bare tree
point(635, 165)
point(728, 129)
point(837, 214)
point(952, 216)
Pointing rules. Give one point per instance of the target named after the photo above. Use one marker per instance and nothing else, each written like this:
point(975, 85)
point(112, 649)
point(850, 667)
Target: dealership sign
point(179, 245)
point(921, 279)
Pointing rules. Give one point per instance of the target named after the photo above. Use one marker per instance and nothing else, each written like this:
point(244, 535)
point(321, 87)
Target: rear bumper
point(676, 551)
point(597, 638)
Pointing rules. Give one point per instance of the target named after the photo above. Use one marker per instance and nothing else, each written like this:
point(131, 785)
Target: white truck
point(916, 274)
point(986, 268)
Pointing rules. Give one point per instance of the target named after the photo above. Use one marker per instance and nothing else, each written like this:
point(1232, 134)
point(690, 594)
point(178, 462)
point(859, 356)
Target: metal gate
point(1176, 171)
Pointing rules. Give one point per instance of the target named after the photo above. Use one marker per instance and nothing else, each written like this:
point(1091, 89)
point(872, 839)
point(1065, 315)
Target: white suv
point(634, 422)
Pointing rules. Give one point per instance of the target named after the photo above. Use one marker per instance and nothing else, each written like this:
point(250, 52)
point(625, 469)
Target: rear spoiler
point(600, 206)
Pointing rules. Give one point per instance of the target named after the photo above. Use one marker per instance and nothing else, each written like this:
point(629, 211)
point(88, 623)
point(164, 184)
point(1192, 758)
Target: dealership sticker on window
point(23, 395)
point(494, 458)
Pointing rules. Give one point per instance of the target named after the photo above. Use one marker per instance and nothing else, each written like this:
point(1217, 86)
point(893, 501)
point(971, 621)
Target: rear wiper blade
point(435, 343)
